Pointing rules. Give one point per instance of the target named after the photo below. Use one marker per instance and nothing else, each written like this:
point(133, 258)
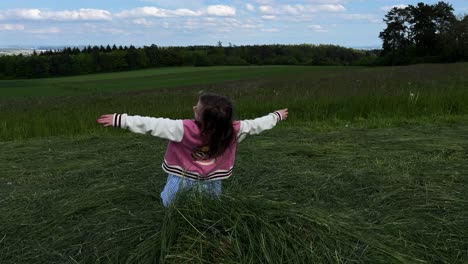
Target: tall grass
point(325, 95)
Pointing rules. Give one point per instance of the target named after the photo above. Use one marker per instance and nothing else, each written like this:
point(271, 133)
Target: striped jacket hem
point(178, 171)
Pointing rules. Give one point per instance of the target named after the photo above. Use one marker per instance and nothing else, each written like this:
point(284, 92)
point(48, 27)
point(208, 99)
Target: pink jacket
point(179, 159)
point(184, 137)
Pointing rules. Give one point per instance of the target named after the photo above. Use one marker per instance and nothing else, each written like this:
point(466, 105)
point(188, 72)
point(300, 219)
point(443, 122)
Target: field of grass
point(140, 80)
point(362, 172)
point(379, 96)
point(388, 195)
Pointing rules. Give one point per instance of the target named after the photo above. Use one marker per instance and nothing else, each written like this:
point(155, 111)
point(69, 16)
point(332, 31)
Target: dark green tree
point(397, 37)
point(421, 33)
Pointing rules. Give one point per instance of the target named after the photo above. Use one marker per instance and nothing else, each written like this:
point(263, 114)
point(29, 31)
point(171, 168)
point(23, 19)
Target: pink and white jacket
point(182, 158)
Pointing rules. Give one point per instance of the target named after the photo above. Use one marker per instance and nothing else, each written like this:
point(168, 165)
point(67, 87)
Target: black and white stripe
point(278, 115)
point(216, 175)
point(117, 120)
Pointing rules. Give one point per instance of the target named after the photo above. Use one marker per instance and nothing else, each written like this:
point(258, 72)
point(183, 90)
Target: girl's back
point(190, 158)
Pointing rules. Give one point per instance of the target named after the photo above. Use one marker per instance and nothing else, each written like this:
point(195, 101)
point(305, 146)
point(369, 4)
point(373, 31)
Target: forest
point(98, 59)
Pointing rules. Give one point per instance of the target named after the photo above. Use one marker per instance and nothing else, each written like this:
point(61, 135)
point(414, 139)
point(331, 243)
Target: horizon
point(141, 46)
point(346, 23)
point(29, 50)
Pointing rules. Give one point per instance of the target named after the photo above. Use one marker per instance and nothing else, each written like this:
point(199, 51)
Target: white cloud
point(220, 10)
point(143, 22)
point(51, 30)
point(317, 28)
point(82, 14)
point(184, 12)
point(295, 10)
point(150, 11)
point(388, 8)
point(268, 17)
point(269, 29)
point(74, 15)
point(217, 24)
point(267, 9)
point(22, 14)
point(11, 27)
point(250, 7)
point(331, 8)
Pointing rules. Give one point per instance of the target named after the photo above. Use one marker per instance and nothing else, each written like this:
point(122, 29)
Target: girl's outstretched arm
point(106, 120)
point(283, 113)
point(258, 125)
point(158, 127)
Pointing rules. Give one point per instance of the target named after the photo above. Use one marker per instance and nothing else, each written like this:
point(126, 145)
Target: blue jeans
point(174, 184)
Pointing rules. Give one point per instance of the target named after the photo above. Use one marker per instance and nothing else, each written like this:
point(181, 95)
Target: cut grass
point(352, 195)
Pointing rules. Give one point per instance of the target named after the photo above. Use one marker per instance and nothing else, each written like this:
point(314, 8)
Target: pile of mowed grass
point(351, 195)
point(252, 229)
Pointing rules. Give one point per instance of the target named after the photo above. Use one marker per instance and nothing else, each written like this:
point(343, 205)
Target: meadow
point(324, 95)
point(371, 167)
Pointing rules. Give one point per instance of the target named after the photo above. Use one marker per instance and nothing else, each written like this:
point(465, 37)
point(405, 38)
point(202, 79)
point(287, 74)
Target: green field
point(362, 172)
point(324, 96)
point(140, 80)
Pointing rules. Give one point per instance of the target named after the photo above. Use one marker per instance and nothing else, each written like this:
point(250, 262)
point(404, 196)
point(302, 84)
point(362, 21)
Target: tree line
point(98, 59)
point(424, 33)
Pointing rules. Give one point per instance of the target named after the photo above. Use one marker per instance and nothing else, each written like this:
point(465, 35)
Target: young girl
point(201, 151)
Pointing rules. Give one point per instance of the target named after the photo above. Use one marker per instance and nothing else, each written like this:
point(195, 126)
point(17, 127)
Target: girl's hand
point(106, 120)
point(283, 113)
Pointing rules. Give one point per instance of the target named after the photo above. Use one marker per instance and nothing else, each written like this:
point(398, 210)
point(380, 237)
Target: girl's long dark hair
point(216, 117)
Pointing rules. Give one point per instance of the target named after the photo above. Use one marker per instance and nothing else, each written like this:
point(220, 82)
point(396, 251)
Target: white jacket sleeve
point(159, 127)
point(257, 125)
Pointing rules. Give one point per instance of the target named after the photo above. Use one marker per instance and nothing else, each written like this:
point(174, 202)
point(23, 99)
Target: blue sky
point(351, 23)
